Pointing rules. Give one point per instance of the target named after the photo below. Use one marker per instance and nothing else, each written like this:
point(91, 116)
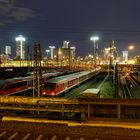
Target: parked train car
point(62, 84)
point(22, 84)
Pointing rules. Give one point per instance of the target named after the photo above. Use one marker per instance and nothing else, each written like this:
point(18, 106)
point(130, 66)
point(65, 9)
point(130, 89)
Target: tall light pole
point(94, 38)
point(130, 48)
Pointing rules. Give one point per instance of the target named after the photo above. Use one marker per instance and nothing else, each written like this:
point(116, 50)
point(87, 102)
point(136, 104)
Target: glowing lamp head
point(131, 47)
point(20, 38)
point(52, 47)
point(94, 38)
point(47, 51)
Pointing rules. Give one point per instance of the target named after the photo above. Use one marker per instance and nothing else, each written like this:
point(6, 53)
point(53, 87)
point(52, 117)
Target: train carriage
point(62, 84)
point(22, 84)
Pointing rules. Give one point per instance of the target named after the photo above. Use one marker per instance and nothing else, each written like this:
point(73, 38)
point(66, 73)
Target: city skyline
point(51, 22)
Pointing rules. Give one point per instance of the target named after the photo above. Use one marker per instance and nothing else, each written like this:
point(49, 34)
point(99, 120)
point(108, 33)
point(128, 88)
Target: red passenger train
point(22, 84)
point(62, 84)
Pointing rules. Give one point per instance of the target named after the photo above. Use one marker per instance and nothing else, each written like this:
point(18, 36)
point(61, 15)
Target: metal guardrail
point(91, 107)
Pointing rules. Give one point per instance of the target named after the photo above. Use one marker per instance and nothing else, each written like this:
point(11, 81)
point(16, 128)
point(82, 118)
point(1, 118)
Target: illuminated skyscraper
point(66, 53)
point(125, 55)
point(20, 47)
point(8, 50)
point(52, 51)
point(72, 50)
point(65, 44)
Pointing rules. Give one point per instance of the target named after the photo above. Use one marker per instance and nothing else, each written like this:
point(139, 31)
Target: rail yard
point(73, 109)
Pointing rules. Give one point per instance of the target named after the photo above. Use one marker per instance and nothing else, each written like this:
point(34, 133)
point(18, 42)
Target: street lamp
point(130, 48)
point(95, 38)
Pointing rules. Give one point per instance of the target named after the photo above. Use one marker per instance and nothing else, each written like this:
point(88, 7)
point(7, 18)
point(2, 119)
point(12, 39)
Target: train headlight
point(44, 93)
point(127, 74)
point(52, 93)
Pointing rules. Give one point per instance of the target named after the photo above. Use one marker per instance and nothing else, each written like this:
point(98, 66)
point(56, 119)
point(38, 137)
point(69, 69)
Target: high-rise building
point(72, 50)
point(52, 51)
point(65, 44)
point(20, 47)
point(110, 54)
point(125, 55)
point(66, 53)
point(8, 50)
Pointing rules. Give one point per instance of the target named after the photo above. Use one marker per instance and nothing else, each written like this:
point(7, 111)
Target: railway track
point(134, 87)
point(136, 79)
point(130, 88)
point(126, 93)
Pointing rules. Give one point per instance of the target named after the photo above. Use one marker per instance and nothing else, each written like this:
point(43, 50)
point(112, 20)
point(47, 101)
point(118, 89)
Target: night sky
point(52, 21)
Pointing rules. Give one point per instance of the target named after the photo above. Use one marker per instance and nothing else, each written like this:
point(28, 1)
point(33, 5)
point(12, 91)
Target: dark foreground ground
point(62, 130)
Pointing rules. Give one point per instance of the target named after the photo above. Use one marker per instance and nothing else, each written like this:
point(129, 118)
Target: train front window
point(50, 86)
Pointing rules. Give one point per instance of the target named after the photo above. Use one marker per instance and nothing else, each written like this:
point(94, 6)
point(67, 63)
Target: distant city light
point(73, 47)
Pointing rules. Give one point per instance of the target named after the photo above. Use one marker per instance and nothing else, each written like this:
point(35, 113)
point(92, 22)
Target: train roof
point(26, 78)
point(66, 77)
point(9, 80)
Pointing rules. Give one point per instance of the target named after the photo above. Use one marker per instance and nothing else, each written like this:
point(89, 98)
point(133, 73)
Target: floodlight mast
point(95, 38)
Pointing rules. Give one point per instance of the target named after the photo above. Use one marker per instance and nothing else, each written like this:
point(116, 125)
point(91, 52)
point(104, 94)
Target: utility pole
point(37, 76)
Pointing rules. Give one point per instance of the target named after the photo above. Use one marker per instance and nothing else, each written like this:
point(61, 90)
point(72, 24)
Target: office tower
point(125, 55)
point(65, 44)
point(52, 51)
point(20, 47)
point(8, 50)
